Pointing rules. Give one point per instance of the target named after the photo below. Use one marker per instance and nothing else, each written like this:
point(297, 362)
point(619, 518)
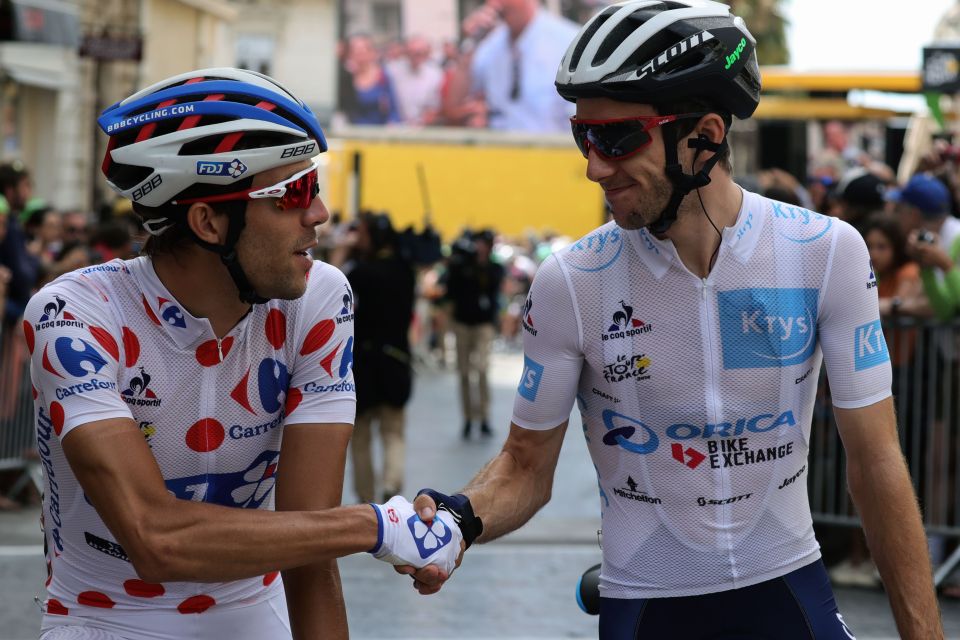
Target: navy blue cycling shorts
point(797, 606)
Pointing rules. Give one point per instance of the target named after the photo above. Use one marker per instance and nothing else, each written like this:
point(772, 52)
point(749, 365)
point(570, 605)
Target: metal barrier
point(926, 386)
point(17, 435)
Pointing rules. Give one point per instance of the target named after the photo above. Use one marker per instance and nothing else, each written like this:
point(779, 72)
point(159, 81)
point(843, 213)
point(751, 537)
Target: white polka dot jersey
point(110, 341)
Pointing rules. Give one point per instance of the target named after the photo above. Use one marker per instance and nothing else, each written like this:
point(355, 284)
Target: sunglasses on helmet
point(621, 137)
point(296, 192)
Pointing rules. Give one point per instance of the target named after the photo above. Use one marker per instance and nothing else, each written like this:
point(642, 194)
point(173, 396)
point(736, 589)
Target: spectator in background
point(371, 99)
point(473, 286)
point(111, 240)
point(780, 185)
point(416, 81)
point(24, 267)
point(898, 277)
point(42, 228)
point(75, 227)
point(859, 194)
point(394, 54)
point(933, 240)
point(518, 40)
point(16, 186)
point(838, 155)
point(5, 273)
point(383, 283)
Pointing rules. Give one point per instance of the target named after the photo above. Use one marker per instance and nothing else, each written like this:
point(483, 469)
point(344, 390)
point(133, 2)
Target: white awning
point(39, 65)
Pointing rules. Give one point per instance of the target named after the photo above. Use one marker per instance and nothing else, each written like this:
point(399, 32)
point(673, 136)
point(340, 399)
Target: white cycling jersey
point(110, 341)
point(697, 393)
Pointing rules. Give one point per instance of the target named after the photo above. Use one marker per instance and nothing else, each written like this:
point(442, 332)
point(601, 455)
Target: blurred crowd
point(492, 77)
point(912, 231)
point(38, 242)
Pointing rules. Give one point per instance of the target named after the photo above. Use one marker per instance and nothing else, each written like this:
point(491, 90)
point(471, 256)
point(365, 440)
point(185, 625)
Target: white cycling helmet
point(659, 51)
point(206, 127)
point(201, 134)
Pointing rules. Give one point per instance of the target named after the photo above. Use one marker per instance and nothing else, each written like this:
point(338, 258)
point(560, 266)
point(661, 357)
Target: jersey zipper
point(712, 364)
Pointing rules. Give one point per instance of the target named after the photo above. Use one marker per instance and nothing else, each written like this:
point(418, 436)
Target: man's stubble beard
point(647, 210)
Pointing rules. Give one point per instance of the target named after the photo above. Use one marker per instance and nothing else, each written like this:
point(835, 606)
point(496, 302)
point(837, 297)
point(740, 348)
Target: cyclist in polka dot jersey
point(193, 405)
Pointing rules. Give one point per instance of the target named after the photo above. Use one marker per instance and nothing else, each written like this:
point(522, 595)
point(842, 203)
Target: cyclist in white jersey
point(193, 406)
point(690, 332)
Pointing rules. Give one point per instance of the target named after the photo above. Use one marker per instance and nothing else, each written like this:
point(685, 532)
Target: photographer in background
point(473, 287)
point(382, 277)
point(933, 239)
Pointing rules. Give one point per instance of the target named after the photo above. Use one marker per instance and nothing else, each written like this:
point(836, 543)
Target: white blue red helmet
point(206, 127)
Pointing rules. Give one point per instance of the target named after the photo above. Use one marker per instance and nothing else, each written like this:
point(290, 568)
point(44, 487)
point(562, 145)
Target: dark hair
point(782, 194)
point(11, 173)
point(380, 230)
point(35, 219)
point(685, 127)
point(113, 235)
point(890, 228)
point(180, 235)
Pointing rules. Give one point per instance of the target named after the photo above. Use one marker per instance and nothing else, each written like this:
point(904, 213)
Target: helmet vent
point(127, 176)
point(588, 35)
point(250, 140)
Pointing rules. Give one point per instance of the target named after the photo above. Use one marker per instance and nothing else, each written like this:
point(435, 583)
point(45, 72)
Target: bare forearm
point(315, 602)
point(891, 521)
point(198, 542)
point(506, 496)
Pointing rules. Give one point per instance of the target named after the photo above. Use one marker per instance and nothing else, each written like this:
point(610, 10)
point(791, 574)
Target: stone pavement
point(521, 587)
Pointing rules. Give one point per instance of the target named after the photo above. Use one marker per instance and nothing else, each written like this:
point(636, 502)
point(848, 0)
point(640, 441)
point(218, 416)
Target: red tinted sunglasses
point(296, 192)
point(621, 137)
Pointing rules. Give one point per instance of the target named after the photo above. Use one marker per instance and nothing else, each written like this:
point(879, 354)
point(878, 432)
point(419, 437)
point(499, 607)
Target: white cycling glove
point(403, 538)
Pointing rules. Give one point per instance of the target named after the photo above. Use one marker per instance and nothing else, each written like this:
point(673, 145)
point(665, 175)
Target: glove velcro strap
point(459, 507)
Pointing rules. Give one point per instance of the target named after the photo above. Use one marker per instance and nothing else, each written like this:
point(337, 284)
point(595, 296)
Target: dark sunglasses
point(621, 137)
point(296, 192)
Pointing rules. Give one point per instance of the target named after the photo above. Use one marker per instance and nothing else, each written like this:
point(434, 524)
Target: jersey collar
point(740, 239)
point(163, 309)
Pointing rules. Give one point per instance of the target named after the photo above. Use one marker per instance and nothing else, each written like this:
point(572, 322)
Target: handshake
point(410, 543)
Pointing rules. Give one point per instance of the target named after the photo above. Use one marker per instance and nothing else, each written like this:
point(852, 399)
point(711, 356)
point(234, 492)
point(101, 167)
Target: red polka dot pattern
point(95, 599)
point(106, 341)
point(57, 415)
point(208, 354)
point(34, 390)
point(276, 328)
point(141, 589)
point(150, 314)
point(318, 336)
point(294, 398)
point(269, 578)
point(205, 435)
point(28, 334)
point(55, 608)
point(131, 347)
point(196, 604)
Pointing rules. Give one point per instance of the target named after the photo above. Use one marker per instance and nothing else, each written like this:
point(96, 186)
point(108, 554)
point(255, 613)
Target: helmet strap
point(228, 256)
point(684, 183)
